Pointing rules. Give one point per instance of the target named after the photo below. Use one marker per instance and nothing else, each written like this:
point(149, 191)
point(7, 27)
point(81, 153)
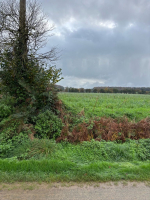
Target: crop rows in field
point(135, 107)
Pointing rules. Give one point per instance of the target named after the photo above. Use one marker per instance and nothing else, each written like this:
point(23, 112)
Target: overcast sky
point(103, 42)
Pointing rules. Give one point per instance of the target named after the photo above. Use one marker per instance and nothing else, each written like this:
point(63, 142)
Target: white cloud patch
point(107, 24)
point(71, 81)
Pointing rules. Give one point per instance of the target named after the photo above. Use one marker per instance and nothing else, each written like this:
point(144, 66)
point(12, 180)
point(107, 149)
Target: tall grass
point(88, 161)
point(85, 152)
point(55, 170)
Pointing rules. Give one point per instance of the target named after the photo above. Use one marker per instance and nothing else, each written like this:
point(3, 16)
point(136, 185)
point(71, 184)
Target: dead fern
point(107, 129)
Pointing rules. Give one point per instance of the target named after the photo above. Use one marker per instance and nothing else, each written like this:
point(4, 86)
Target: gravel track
point(74, 191)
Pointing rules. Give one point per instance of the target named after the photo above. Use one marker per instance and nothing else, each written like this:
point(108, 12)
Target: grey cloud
point(92, 52)
point(111, 56)
point(99, 53)
point(120, 11)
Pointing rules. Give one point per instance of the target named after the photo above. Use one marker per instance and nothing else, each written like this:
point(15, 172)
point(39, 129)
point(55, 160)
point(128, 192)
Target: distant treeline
point(126, 90)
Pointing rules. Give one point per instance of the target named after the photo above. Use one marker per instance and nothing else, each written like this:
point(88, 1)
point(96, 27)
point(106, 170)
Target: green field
point(133, 106)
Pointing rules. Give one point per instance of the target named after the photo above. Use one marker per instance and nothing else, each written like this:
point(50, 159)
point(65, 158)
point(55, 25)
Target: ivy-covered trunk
point(21, 49)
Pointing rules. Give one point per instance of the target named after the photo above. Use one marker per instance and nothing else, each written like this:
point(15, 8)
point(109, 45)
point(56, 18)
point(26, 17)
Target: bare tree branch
point(36, 29)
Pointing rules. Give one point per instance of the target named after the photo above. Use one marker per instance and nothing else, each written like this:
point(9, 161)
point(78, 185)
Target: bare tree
point(27, 25)
point(24, 30)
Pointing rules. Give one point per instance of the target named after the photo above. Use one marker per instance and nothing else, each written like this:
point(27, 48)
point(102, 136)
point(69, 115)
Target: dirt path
point(73, 191)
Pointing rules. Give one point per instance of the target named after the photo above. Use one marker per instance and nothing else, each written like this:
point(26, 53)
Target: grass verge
point(83, 162)
point(59, 171)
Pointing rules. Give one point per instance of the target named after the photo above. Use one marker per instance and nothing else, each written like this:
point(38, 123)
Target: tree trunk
point(23, 34)
point(22, 14)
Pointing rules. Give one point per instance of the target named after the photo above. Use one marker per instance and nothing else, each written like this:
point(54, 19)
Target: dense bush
point(6, 106)
point(48, 125)
point(14, 131)
point(5, 111)
point(7, 144)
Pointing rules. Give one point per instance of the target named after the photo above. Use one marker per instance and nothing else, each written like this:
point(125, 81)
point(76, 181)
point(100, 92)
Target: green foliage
point(5, 111)
point(42, 148)
point(29, 83)
point(94, 151)
point(85, 153)
point(33, 149)
point(6, 106)
point(48, 125)
point(14, 129)
point(9, 127)
point(5, 147)
point(7, 100)
point(30, 91)
point(11, 135)
point(8, 144)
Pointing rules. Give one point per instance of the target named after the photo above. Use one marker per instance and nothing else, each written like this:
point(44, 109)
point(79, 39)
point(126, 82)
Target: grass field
point(133, 106)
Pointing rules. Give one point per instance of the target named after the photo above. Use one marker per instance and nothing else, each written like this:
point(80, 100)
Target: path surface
point(103, 191)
